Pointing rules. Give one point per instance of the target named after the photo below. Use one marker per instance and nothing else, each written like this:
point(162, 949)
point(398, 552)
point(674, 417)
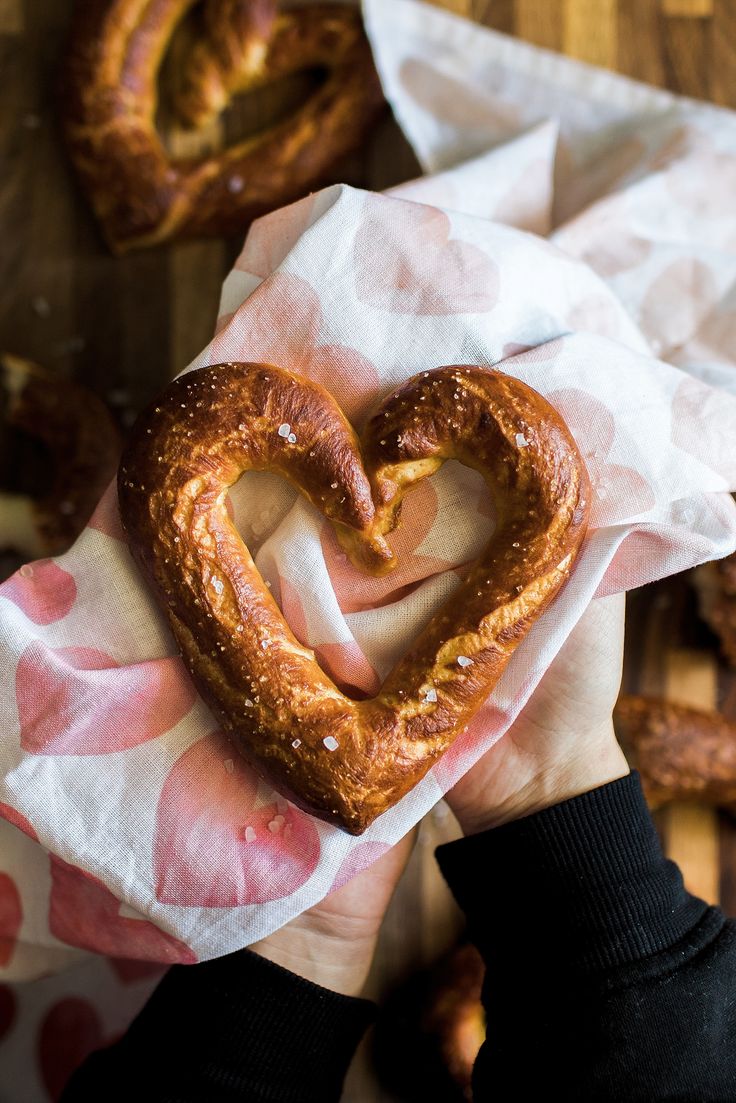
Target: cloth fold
point(156, 841)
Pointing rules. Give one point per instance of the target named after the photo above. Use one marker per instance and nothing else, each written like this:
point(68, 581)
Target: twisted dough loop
point(347, 761)
point(83, 446)
point(140, 194)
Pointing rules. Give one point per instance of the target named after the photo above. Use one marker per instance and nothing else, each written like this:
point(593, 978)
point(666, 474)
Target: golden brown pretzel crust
point(716, 587)
point(266, 688)
point(682, 753)
point(83, 446)
point(140, 195)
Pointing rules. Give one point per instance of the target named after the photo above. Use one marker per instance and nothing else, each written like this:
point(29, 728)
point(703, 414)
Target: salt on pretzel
point(140, 194)
point(83, 449)
point(347, 761)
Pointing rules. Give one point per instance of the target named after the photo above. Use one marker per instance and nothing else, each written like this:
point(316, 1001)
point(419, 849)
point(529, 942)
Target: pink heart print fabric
point(574, 229)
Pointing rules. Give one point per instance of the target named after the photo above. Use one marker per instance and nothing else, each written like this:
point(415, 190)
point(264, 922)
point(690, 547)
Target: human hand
point(333, 943)
point(562, 743)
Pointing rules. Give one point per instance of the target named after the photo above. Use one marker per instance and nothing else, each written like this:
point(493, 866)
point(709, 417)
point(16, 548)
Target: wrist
point(596, 760)
point(338, 963)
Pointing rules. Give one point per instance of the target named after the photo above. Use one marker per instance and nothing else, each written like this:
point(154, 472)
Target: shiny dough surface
point(110, 101)
point(347, 761)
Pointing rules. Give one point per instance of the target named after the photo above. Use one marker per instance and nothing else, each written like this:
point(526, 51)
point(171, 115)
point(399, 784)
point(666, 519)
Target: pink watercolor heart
point(458, 104)
point(106, 517)
point(680, 298)
point(703, 420)
point(79, 701)
point(406, 262)
point(42, 590)
point(282, 323)
point(357, 591)
point(215, 847)
point(12, 815)
point(618, 491)
point(84, 913)
point(11, 917)
point(358, 858)
point(344, 662)
point(70, 1031)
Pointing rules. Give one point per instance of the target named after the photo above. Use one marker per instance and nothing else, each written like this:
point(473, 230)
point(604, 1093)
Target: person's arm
point(233, 1029)
point(278, 1023)
point(605, 979)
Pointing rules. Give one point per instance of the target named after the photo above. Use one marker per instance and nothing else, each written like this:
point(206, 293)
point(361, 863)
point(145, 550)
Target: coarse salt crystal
point(463, 660)
point(330, 742)
point(218, 585)
point(291, 438)
point(284, 429)
point(276, 824)
point(248, 703)
point(296, 743)
point(521, 441)
point(430, 694)
point(249, 834)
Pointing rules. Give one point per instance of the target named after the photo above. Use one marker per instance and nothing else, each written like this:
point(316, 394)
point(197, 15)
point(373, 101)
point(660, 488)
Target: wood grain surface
point(125, 326)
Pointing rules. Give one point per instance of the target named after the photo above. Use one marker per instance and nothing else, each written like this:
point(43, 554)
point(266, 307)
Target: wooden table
point(125, 326)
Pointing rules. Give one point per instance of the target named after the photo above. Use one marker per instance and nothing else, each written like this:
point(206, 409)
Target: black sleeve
point(605, 979)
point(235, 1028)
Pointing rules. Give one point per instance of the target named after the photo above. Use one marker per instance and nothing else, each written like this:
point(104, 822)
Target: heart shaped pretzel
point(140, 194)
point(343, 760)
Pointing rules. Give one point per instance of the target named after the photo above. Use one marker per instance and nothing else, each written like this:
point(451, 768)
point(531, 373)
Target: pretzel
point(347, 761)
point(141, 195)
point(83, 446)
point(715, 584)
point(682, 754)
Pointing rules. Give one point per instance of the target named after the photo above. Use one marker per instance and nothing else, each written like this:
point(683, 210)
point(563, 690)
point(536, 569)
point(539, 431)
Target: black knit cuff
point(251, 1030)
point(583, 885)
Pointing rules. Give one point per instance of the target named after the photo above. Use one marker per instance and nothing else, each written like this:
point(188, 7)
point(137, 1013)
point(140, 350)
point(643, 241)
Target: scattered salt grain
point(248, 703)
point(330, 742)
point(334, 486)
point(521, 441)
point(249, 834)
point(430, 695)
point(296, 743)
point(284, 429)
point(291, 438)
point(276, 824)
point(463, 660)
point(218, 585)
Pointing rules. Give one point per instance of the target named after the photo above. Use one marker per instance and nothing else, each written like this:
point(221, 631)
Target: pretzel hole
point(446, 522)
point(246, 115)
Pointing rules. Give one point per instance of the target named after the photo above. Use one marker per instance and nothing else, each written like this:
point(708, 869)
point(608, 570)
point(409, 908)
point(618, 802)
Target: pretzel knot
point(82, 445)
point(347, 761)
point(140, 194)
